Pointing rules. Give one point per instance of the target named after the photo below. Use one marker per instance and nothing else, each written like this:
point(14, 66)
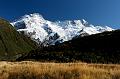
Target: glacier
point(46, 32)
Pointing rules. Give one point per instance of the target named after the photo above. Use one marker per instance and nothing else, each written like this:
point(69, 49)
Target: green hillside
point(12, 43)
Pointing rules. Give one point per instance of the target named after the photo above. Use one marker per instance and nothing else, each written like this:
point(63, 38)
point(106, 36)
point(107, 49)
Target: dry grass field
point(38, 70)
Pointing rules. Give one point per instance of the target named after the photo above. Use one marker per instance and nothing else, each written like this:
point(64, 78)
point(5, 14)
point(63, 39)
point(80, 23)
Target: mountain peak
point(33, 16)
point(84, 22)
point(49, 33)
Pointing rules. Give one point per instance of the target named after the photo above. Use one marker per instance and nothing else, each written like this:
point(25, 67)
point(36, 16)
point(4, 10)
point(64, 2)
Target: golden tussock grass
point(38, 70)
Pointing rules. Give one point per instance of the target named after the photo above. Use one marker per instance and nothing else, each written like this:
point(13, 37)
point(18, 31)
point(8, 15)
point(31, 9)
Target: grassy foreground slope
point(12, 44)
point(37, 70)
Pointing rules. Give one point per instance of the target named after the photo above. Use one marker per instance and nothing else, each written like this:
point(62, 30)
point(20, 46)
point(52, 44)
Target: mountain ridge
point(61, 41)
point(46, 32)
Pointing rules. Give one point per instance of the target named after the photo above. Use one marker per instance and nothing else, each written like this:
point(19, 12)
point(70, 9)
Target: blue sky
point(97, 12)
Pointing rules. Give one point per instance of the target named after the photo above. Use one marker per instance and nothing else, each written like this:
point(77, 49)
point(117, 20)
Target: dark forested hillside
point(98, 48)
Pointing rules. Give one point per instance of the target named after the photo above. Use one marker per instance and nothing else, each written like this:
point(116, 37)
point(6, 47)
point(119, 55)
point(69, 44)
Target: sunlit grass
point(38, 70)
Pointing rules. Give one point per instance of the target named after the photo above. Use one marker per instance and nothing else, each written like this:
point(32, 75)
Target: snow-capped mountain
point(47, 32)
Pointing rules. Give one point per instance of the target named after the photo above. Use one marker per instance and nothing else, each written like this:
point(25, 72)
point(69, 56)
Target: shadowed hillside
point(12, 44)
point(98, 48)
